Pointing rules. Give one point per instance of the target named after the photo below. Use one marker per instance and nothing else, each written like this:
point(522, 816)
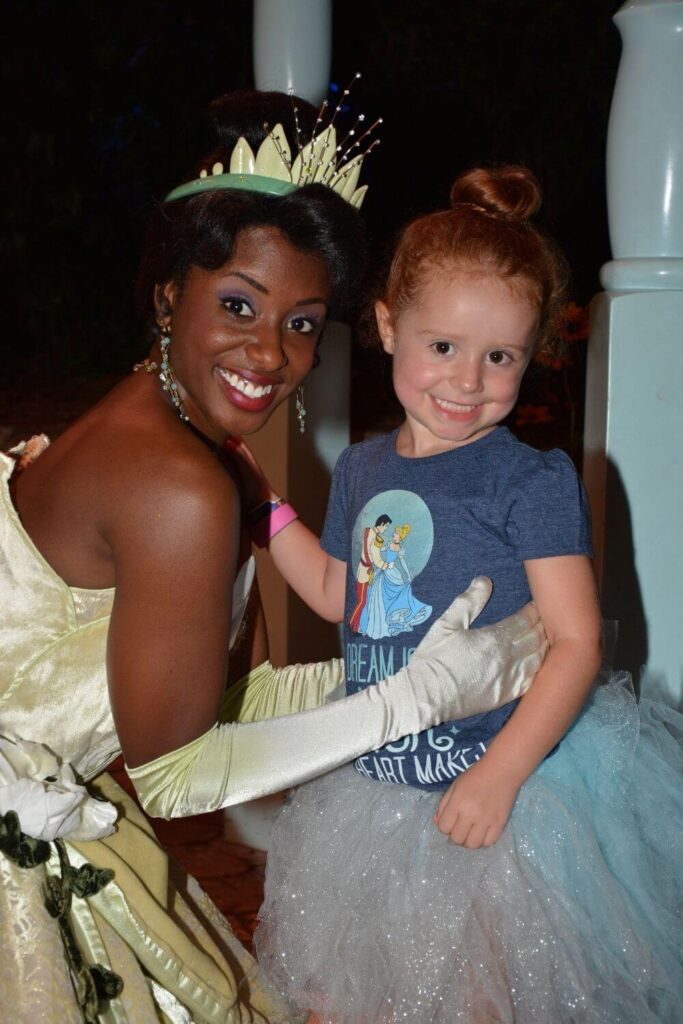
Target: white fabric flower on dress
point(48, 800)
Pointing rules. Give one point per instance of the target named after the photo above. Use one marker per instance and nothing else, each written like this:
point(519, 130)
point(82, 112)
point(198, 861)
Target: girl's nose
point(266, 351)
point(469, 378)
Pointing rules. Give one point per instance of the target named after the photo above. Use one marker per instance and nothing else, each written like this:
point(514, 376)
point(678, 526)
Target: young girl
point(519, 865)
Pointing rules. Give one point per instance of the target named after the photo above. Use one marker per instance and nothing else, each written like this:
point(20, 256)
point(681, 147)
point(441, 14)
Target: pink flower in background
point(530, 415)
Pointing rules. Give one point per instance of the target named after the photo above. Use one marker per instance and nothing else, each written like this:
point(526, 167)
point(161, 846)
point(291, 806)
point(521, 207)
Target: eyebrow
point(250, 280)
point(262, 288)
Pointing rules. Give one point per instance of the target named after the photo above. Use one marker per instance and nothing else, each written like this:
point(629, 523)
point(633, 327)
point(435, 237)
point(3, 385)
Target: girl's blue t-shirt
point(414, 533)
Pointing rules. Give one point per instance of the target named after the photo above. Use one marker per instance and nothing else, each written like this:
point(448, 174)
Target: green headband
point(246, 182)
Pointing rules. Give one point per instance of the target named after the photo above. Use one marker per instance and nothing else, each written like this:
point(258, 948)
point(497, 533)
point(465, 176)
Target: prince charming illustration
point(386, 605)
point(370, 561)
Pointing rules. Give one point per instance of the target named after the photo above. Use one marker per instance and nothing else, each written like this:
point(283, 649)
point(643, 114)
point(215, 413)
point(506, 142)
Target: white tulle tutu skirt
point(371, 916)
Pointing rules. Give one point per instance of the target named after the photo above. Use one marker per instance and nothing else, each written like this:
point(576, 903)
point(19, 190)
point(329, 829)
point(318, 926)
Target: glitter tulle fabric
point(371, 916)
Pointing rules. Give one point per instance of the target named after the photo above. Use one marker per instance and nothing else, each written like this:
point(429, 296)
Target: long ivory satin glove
point(268, 692)
point(454, 672)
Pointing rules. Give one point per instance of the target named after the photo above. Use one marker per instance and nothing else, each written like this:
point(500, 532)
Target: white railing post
point(634, 398)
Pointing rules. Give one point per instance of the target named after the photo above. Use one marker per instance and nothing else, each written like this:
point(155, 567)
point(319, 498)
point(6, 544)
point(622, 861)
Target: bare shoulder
point(128, 478)
point(141, 475)
point(168, 488)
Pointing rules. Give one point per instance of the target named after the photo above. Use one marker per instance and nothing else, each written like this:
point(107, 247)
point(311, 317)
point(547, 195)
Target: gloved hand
point(233, 763)
point(489, 666)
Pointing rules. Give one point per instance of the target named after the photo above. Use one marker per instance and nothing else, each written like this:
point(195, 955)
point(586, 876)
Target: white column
point(293, 46)
point(634, 400)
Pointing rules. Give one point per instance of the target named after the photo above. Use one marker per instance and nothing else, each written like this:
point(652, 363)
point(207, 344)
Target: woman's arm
point(476, 807)
point(270, 692)
point(453, 672)
point(175, 545)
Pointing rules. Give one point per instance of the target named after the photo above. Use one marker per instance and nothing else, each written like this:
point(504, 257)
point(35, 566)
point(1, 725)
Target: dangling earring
point(168, 381)
point(301, 409)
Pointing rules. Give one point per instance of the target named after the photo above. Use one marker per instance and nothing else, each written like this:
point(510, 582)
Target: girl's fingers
point(442, 803)
point(447, 819)
point(476, 836)
point(490, 836)
point(493, 834)
point(461, 830)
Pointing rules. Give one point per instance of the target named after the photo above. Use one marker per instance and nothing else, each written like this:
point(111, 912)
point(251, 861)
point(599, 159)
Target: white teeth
point(247, 387)
point(455, 406)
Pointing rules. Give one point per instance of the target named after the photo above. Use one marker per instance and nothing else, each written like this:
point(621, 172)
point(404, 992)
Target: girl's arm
point(566, 596)
point(317, 578)
point(475, 809)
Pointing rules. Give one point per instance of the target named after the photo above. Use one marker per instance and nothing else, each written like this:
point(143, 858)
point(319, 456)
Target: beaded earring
point(166, 376)
point(301, 409)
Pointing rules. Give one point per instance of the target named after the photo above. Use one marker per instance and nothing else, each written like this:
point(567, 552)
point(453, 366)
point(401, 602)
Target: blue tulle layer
point(574, 916)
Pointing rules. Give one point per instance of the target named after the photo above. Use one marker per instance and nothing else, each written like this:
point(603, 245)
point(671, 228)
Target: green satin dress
point(177, 956)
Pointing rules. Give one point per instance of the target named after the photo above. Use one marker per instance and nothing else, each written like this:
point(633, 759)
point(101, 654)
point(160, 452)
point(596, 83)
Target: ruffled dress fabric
point(372, 916)
point(178, 958)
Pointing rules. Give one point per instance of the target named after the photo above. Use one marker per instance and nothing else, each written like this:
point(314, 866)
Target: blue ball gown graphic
point(391, 607)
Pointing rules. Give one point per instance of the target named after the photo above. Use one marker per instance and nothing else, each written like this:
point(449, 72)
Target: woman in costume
point(125, 579)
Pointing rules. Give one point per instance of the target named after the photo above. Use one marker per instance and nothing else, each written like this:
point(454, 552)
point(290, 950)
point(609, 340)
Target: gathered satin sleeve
point(269, 692)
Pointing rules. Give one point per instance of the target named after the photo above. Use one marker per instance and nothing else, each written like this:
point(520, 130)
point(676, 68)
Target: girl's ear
point(385, 326)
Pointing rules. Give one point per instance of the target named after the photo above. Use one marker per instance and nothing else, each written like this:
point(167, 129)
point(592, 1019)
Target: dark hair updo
point(202, 230)
point(488, 229)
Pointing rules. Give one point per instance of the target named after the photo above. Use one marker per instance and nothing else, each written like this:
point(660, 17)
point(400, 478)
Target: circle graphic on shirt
point(391, 543)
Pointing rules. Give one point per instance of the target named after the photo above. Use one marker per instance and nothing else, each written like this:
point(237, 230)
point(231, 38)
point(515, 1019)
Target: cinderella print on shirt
point(392, 540)
point(400, 576)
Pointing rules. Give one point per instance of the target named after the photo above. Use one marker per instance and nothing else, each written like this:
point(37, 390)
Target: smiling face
point(244, 336)
point(459, 354)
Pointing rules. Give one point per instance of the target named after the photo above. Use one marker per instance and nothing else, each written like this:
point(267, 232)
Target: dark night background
point(104, 109)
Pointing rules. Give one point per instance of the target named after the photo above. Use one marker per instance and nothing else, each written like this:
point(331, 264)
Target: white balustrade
point(633, 465)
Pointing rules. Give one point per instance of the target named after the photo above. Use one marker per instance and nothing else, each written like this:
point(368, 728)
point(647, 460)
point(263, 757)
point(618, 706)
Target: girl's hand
point(476, 807)
point(253, 484)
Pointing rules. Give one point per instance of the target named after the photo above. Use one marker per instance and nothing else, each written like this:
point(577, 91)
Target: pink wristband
point(263, 531)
